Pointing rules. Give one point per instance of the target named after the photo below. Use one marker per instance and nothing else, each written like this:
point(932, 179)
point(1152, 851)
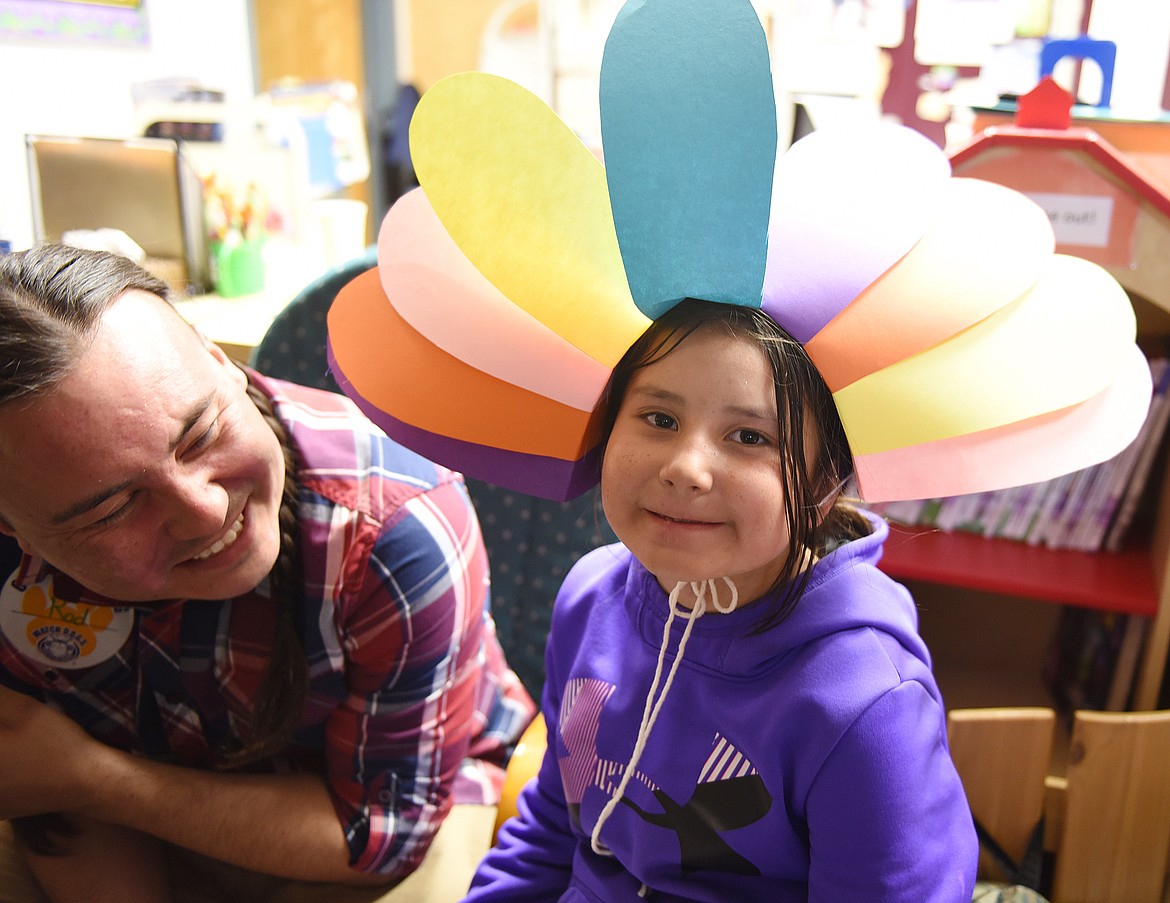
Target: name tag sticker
point(61, 634)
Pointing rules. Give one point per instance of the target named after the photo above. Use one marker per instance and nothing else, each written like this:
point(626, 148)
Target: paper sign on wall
point(1078, 219)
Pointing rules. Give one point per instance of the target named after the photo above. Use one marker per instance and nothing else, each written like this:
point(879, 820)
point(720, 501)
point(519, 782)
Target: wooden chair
point(1107, 821)
point(1114, 824)
point(1002, 756)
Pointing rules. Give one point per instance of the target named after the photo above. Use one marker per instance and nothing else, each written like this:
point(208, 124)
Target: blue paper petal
point(688, 121)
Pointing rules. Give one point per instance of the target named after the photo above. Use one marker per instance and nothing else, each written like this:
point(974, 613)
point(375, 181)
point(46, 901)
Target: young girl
point(738, 704)
point(740, 707)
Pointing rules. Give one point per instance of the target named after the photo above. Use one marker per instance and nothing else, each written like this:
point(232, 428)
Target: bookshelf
point(1074, 163)
point(1122, 582)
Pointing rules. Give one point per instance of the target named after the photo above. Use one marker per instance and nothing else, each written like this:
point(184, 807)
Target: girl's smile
point(683, 521)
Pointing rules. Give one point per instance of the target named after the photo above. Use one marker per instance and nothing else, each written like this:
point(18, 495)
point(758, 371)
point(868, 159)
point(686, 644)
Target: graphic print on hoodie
point(728, 794)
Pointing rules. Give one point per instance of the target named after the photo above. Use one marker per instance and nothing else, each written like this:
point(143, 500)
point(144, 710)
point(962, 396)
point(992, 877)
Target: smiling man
point(145, 475)
point(247, 648)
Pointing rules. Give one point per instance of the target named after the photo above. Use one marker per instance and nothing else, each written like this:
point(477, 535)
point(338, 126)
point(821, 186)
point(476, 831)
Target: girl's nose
point(689, 465)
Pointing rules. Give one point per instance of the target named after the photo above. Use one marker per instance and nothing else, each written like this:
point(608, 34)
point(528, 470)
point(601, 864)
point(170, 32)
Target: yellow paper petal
point(527, 204)
point(1061, 343)
point(1030, 451)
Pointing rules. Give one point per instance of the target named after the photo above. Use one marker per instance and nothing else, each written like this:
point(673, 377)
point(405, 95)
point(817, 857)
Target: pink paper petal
point(434, 287)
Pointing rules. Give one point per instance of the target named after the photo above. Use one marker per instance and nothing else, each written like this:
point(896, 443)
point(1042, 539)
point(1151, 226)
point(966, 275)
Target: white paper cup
point(339, 227)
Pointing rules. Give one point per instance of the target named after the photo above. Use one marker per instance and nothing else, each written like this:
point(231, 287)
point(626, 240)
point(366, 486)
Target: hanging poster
point(110, 22)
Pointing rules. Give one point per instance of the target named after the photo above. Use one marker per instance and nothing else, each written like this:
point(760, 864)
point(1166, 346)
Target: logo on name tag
point(57, 633)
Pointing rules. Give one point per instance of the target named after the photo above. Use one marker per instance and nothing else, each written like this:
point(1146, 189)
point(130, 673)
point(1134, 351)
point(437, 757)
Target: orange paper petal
point(414, 381)
point(987, 246)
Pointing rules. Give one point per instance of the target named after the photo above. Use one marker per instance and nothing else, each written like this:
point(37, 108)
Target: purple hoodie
point(804, 762)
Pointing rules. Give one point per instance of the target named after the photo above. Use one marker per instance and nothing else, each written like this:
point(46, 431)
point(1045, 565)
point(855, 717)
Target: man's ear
point(7, 529)
point(216, 352)
point(222, 358)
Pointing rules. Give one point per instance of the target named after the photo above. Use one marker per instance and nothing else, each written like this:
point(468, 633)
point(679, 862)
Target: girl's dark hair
point(806, 412)
point(52, 300)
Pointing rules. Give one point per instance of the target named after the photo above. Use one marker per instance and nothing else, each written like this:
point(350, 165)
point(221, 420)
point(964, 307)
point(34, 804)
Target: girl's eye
point(749, 437)
point(660, 420)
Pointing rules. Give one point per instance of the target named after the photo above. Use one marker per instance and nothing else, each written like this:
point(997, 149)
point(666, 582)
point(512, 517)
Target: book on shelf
point(963, 512)
point(1148, 443)
point(1090, 510)
point(1025, 504)
point(1076, 508)
point(1111, 488)
point(1052, 501)
point(1092, 659)
point(997, 507)
point(1126, 664)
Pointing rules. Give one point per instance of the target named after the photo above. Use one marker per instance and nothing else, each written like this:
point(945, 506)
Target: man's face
point(147, 474)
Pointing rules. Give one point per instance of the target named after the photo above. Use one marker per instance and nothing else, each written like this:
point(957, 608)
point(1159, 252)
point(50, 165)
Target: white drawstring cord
point(715, 596)
point(650, 713)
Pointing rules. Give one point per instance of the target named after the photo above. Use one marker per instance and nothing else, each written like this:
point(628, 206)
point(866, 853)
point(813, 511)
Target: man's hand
point(280, 824)
point(43, 754)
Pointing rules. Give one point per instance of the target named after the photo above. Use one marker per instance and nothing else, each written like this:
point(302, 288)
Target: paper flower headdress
point(963, 353)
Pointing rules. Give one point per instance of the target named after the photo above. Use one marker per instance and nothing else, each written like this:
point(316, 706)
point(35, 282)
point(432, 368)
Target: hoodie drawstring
point(650, 713)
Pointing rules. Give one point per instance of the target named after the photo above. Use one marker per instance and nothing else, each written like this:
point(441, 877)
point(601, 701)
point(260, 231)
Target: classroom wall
point(85, 90)
point(69, 89)
point(439, 37)
point(1141, 30)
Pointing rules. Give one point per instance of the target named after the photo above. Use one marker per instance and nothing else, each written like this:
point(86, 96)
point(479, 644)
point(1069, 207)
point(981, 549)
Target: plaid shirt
point(410, 704)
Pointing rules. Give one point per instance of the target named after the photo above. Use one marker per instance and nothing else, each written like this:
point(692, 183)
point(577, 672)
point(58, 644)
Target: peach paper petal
point(438, 292)
point(1030, 451)
point(987, 247)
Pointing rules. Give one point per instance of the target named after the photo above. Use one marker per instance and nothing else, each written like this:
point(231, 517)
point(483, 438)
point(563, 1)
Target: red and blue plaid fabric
point(410, 706)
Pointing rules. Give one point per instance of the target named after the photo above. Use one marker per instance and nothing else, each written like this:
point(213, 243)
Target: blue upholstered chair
point(293, 348)
point(531, 542)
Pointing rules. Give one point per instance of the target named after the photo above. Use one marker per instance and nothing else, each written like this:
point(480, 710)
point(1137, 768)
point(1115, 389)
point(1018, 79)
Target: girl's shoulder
point(603, 571)
point(597, 587)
